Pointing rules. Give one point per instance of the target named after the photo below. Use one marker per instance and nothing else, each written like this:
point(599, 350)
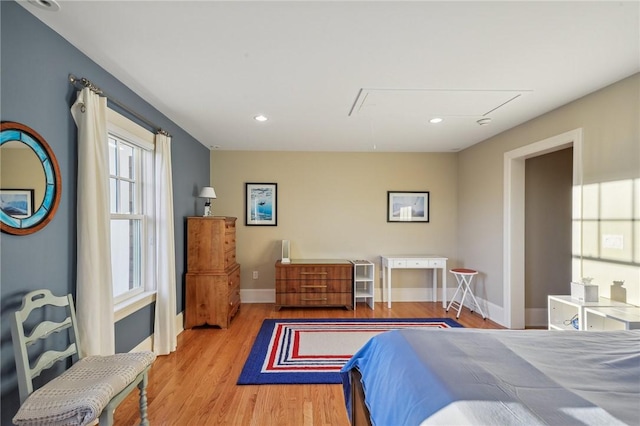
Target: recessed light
point(435, 120)
point(50, 5)
point(260, 118)
point(484, 121)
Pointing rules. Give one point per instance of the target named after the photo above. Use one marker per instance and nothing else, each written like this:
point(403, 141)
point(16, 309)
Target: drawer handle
point(314, 286)
point(313, 273)
point(322, 299)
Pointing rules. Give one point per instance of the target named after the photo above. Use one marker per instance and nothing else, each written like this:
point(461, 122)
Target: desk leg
point(444, 287)
point(434, 290)
point(384, 283)
point(388, 287)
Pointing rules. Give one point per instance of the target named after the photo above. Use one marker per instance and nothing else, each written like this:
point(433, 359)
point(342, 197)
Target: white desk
point(414, 262)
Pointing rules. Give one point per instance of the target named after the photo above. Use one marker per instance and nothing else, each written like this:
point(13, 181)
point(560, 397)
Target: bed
point(506, 377)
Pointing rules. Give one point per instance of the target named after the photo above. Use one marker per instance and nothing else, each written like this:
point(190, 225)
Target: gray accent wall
point(34, 90)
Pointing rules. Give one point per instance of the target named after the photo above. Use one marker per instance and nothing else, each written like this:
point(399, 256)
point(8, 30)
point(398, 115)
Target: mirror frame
point(10, 132)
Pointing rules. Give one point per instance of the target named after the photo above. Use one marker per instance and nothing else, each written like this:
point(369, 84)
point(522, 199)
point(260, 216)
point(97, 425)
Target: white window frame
point(134, 134)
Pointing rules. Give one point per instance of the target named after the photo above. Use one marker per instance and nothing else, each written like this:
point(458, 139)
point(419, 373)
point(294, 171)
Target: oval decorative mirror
point(30, 180)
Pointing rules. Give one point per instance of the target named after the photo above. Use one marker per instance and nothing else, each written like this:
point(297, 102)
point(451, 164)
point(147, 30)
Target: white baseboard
point(493, 312)
point(258, 295)
point(147, 344)
point(179, 323)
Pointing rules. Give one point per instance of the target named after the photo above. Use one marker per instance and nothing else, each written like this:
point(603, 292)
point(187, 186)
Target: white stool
point(464, 277)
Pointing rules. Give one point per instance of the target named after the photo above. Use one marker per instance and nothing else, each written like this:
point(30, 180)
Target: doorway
point(547, 240)
point(514, 217)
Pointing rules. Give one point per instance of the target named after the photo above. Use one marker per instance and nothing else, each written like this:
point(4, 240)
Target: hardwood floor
point(196, 385)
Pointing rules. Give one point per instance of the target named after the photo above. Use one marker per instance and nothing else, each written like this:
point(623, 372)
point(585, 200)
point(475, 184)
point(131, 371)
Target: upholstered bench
point(80, 394)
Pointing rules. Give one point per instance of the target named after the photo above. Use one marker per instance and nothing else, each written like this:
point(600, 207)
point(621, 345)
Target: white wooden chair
point(93, 386)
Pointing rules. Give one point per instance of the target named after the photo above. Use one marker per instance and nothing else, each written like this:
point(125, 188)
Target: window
point(131, 207)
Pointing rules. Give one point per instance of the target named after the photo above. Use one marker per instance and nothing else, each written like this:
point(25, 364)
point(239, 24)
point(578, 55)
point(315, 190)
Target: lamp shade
point(207, 192)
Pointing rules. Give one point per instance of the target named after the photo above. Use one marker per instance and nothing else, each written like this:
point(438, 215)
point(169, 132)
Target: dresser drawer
point(230, 242)
point(230, 225)
point(314, 299)
point(229, 259)
point(234, 277)
point(314, 272)
point(234, 292)
point(234, 300)
point(314, 286)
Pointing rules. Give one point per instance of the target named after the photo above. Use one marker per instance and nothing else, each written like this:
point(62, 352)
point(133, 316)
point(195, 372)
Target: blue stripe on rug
point(283, 350)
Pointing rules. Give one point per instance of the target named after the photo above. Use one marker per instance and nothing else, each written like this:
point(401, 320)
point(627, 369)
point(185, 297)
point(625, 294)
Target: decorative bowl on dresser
point(213, 276)
point(325, 282)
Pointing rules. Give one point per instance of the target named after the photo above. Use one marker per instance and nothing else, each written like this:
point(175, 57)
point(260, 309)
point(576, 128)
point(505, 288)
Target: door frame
point(514, 223)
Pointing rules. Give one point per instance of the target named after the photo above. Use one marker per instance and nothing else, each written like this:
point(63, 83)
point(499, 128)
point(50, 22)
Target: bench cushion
point(78, 396)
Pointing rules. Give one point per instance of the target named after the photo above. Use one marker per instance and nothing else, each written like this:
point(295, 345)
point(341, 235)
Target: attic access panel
point(432, 102)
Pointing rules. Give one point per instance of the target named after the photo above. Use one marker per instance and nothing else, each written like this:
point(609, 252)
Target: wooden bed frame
point(359, 411)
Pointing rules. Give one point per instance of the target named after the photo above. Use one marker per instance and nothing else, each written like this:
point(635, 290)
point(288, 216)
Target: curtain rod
point(83, 82)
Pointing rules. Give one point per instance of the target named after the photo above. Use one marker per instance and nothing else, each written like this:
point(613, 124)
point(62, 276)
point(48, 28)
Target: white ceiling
point(353, 76)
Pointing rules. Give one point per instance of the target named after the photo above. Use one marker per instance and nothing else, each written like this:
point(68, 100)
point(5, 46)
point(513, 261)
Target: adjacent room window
point(131, 207)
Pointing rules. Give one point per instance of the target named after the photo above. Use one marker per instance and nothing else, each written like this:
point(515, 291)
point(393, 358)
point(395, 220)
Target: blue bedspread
point(466, 376)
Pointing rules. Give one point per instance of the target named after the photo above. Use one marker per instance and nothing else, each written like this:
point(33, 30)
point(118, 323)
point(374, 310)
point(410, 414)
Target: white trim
point(121, 126)
point(398, 294)
point(133, 304)
point(416, 294)
point(258, 295)
point(513, 222)
point(147, 344)
point(179, 323)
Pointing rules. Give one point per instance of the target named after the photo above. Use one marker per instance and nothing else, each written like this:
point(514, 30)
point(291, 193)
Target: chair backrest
point(39, 301)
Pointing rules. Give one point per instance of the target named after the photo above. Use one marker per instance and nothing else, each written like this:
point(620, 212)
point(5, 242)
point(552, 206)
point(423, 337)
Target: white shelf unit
point(612, 318)
point(363, 281)
point(562, 309)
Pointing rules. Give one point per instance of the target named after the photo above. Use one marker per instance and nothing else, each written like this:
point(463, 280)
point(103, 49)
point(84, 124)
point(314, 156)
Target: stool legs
point(454, 298)
point(464, 283)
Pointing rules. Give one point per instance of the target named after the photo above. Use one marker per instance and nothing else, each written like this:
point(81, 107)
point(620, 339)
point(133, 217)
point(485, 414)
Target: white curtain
point(164, 336)
point(94, 296)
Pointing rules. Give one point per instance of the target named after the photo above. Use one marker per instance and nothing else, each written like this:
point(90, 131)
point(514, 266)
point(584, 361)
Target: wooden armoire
point(213, 276)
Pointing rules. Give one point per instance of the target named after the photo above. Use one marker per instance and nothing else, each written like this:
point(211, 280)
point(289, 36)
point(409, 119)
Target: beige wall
point(611, 151)
point(333, 205)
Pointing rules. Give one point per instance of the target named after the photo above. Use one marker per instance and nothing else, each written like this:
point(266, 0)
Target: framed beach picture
point(261, 204)
point(17, 203)
point(407, 206)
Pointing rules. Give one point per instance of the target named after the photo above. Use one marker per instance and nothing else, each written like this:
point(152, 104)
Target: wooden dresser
point(314, 283)
point(213, 276)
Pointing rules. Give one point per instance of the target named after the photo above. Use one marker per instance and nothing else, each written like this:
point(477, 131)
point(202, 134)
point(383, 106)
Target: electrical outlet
point(255, 275)
point(613, 242)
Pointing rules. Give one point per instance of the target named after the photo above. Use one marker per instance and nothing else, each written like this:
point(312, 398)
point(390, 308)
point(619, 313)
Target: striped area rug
point(305, 351)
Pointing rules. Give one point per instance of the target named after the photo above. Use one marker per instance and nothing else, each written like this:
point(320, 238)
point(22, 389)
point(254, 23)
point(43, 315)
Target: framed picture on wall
point(407, 206)
point(17, 203)
point(261, 204)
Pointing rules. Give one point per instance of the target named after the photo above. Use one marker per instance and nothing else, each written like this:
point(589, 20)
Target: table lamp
point(207, 192)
